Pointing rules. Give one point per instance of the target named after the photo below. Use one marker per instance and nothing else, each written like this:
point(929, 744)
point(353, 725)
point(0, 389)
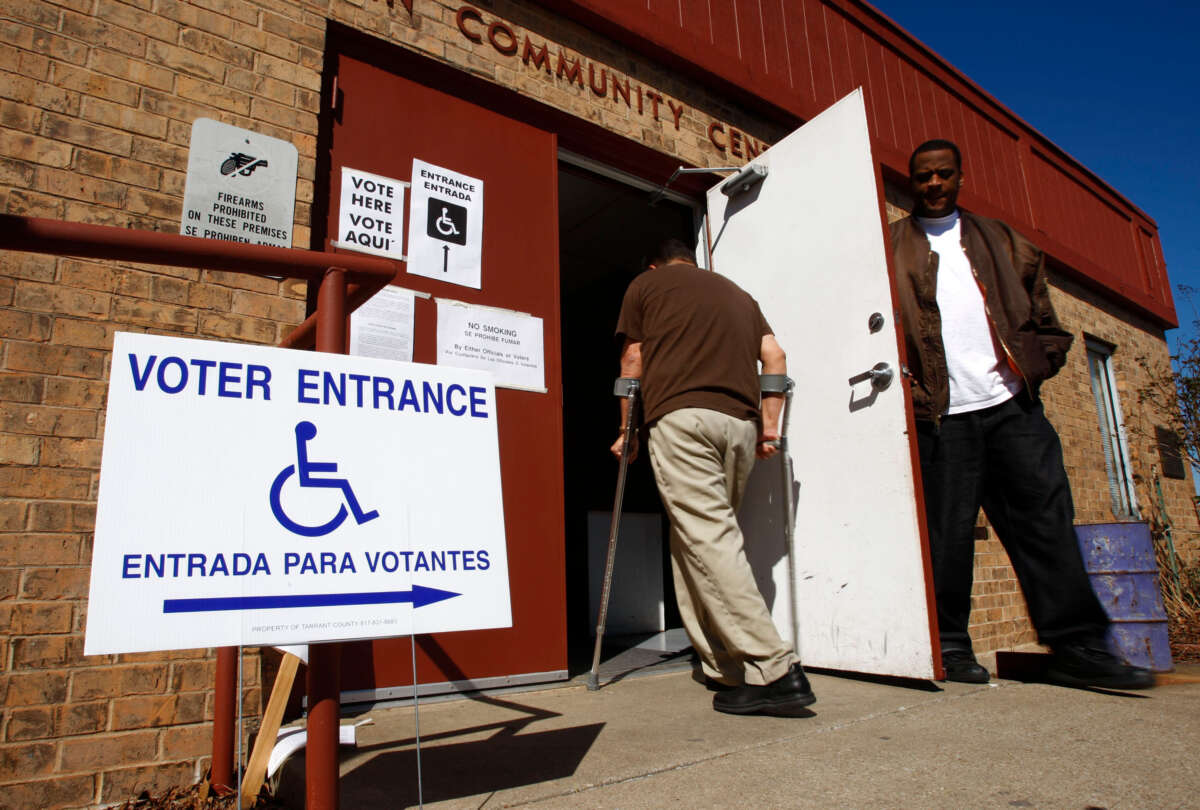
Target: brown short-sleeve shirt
point(701, 336)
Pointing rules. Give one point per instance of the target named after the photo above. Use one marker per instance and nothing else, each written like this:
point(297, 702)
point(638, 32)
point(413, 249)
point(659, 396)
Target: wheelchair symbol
point(446, 221)
point(305, 431)
point(445, 225)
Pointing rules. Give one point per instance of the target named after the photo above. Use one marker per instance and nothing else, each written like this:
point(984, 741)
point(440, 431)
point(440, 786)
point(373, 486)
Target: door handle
point(881, 376)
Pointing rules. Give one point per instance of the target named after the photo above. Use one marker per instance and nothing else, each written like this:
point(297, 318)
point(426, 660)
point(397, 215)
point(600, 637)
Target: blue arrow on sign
point(420, 596)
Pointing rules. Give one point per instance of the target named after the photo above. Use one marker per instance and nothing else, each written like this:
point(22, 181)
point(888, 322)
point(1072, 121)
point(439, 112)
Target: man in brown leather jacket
point(981, 337)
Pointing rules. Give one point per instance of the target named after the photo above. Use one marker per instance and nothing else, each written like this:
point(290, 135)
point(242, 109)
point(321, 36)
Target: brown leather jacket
point(1011, 273)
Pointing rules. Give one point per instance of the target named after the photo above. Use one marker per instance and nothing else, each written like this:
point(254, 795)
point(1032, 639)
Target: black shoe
point(961, 667)
point(1089, 663)
point(783, 696)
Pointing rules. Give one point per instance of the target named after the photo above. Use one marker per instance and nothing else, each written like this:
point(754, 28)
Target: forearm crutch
point(628, 388)
point(783, 384)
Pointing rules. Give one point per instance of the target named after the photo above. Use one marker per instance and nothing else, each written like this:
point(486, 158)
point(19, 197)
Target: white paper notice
point(508, 344)
point(371, 214)
point(383, 326)
point(445, 225)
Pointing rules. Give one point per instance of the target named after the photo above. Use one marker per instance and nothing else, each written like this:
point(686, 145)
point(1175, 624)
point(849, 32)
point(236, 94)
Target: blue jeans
point(1007, 459)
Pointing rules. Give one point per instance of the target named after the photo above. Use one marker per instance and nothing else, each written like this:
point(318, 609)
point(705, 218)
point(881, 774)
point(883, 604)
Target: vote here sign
point(253, 495)
point(371, 214)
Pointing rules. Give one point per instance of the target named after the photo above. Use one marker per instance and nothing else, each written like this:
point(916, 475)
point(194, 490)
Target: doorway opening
point(607, 228)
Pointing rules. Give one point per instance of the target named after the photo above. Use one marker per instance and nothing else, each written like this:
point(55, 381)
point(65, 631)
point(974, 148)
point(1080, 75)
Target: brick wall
point(96, 104)
point(97, 98)
point(999, 619)
point(1135, 342)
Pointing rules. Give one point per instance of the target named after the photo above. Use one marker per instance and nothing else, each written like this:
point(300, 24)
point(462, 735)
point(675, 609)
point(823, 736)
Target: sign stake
point(268, 732)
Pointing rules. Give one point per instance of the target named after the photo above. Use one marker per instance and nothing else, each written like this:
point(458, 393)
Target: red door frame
point(387, 120)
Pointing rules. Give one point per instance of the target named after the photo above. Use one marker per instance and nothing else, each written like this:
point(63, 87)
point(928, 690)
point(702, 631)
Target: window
point(1112, 431)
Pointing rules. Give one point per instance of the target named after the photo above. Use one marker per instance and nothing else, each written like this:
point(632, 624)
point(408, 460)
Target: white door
point(808, 243)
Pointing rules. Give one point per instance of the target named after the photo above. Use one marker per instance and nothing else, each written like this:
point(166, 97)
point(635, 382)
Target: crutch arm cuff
point(775, 383)
point(625, 386)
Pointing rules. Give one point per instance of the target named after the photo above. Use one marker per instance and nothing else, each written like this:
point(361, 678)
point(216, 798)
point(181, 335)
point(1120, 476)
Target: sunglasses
point(926, 176)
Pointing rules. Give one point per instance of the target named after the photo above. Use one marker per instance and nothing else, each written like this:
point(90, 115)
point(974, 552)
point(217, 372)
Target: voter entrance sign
point(253, 495)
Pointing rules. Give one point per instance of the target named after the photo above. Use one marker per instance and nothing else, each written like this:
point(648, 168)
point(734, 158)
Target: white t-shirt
point(980, 377)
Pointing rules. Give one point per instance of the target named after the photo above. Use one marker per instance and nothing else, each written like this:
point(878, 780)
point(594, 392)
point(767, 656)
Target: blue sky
point(1115, 85)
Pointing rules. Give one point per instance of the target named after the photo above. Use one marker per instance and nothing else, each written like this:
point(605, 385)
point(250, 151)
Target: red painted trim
point(911, 426)
point(726, 57)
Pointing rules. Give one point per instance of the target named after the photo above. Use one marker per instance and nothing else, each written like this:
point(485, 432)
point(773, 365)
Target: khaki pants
point(701, 460)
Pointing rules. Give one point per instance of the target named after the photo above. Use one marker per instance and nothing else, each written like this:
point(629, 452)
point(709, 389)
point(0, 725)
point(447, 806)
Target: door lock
point(881, 376)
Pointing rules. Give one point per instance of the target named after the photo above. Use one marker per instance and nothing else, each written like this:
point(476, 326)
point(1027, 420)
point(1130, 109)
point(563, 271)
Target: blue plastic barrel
point(1120, 562)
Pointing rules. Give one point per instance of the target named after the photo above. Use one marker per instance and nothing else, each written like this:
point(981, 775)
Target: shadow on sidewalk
point(1031, 667)
point(456, 769)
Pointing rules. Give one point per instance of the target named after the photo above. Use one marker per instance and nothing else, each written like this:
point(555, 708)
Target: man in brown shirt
point(694, 338)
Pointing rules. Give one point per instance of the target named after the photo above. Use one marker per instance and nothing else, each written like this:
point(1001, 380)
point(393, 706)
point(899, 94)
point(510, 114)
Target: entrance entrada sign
point(253, 495)
point(445, 225)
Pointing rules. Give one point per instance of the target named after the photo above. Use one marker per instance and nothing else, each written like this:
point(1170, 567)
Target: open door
point(808, 243)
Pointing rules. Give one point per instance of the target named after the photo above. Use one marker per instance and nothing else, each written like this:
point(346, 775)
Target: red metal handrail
point(38, 235)
point(346, 281)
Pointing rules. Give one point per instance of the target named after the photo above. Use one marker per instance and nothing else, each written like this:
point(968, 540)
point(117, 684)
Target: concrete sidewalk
point(655, 742)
